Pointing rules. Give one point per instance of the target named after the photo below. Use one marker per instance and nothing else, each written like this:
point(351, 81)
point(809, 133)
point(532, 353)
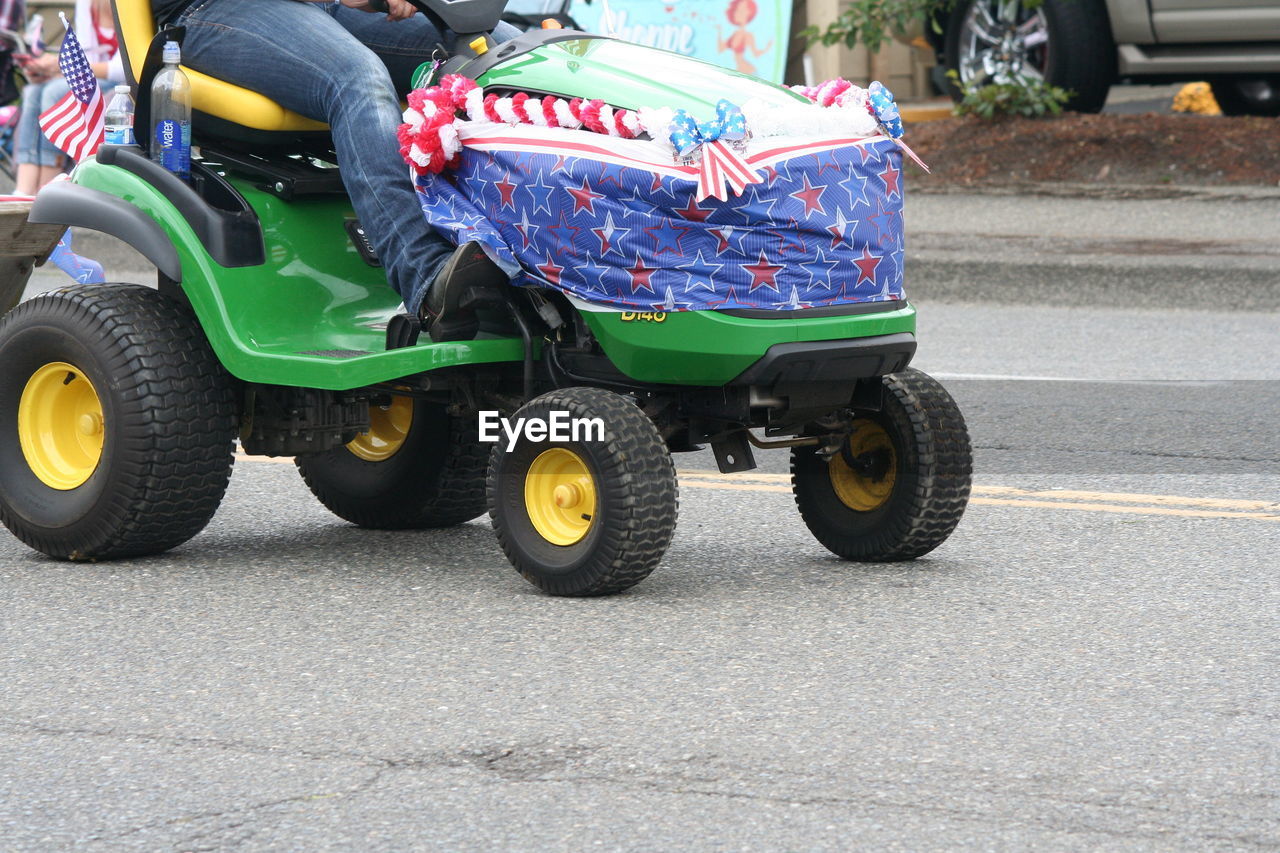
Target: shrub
point(872, 22)
point(1028, 97)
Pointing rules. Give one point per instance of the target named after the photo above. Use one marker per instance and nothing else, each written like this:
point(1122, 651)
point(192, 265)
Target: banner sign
point(750, 36)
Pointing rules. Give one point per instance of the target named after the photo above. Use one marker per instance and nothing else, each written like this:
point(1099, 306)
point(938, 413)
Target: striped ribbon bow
point(722, 166)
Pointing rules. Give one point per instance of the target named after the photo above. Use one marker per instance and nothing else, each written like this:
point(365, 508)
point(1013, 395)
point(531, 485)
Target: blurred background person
point(37, 158)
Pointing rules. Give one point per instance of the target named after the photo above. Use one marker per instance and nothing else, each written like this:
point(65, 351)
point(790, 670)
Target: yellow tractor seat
point(208, 94)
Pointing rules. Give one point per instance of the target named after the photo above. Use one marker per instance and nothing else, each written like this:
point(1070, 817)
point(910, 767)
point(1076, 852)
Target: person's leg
point(26, 180)
point(26, 140)
point(403, 46)
point(48, 173)
point(48, 155)
point(299, 56)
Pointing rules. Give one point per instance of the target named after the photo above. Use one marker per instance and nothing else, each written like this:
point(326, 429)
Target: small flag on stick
point(74, 123)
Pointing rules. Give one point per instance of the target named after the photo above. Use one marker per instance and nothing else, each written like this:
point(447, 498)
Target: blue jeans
point(346, 68)
point(32, 146)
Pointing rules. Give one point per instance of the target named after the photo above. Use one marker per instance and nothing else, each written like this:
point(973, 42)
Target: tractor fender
point(65, 203)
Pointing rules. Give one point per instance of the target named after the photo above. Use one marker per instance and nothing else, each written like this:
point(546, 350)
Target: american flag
point(616, 224)
point(74, 123)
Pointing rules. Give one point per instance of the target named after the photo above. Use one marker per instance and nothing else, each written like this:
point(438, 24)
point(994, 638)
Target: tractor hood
point(627, 75)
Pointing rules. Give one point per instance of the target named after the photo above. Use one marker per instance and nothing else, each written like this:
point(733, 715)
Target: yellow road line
point(1129, 497)
point(1132, 510)
point(1128, 503)
point(1012, 491)
point(1039, 504)
point(744, 475)
point(737, 487)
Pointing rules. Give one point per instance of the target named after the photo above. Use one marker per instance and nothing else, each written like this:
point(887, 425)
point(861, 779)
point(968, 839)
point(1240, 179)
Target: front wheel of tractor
point(898, 487)
point(590, 515)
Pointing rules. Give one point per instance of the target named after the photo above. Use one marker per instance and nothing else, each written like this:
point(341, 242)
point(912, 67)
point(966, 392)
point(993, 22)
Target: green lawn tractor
point(272, 324)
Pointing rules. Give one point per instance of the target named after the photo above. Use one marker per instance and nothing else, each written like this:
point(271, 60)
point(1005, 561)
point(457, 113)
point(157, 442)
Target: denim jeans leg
point(28, 134)
point(300, 56)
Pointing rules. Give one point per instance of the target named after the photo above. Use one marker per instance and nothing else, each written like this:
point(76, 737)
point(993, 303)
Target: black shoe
point(448, 311)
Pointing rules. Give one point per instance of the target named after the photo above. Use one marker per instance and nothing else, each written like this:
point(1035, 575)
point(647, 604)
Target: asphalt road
point(1089, 663)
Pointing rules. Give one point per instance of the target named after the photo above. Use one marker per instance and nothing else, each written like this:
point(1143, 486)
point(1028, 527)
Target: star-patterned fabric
point(601, 223)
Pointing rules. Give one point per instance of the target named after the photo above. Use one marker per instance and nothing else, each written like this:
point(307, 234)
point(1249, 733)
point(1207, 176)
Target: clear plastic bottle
point(171, 115)
point(119, 118)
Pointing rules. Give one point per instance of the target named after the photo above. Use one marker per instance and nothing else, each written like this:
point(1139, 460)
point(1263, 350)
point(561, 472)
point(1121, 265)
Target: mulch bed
point(1171, 150)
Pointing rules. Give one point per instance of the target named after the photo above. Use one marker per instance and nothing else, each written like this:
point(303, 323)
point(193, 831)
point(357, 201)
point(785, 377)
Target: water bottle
point(171, 115)
point(119, 118)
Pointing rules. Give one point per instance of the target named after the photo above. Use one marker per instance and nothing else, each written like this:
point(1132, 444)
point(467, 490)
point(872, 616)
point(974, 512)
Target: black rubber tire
point(636, 506)
point(435, 479)
point(1259, 96)
point(168, 413)
point(1081, 51)
point(933, 477)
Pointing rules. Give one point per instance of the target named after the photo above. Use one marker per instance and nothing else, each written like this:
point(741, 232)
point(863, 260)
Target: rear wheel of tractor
point(117, 423)
point(592, 515)
point(416, 467)
point(899, 486)
point(1065, 43)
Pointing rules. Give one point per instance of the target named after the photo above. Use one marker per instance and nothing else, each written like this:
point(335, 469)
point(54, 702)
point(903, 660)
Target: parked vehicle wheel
point(1257, 96)
point(898, 488)
point(416, 467)
point(1065, 43)
point(117, 423)
point(592, 515)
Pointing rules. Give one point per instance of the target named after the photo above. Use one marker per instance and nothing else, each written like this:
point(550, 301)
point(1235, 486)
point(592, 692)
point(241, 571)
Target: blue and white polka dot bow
point(688, 134)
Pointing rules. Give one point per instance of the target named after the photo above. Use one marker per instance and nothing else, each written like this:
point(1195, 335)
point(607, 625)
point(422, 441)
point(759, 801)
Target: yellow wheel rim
point(388, 427)
point(867, 487)
point(560, 496)
point(61, 426)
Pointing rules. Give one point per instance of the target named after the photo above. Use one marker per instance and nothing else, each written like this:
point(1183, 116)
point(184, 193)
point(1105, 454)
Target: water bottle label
point(122, 135)
point(173, 138)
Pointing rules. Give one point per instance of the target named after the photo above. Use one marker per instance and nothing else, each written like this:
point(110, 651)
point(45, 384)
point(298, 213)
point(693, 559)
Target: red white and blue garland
point(430, 142)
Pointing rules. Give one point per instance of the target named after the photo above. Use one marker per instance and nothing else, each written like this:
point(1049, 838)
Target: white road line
point(1009, 377)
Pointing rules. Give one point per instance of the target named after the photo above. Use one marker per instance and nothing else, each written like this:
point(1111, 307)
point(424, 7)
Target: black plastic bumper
point(838, 363)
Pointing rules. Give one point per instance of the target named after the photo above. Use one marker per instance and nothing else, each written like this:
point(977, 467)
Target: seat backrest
point(136, 27)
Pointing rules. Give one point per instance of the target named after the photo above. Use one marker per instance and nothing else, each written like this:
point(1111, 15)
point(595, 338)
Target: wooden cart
point(23, 246)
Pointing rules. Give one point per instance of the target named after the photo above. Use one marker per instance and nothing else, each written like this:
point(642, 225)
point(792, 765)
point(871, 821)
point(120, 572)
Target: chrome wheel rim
point(1001, 42)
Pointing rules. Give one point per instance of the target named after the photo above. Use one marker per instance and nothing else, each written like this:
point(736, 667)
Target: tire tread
point(178, 420)
point(941, 489)
point(640, 464)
